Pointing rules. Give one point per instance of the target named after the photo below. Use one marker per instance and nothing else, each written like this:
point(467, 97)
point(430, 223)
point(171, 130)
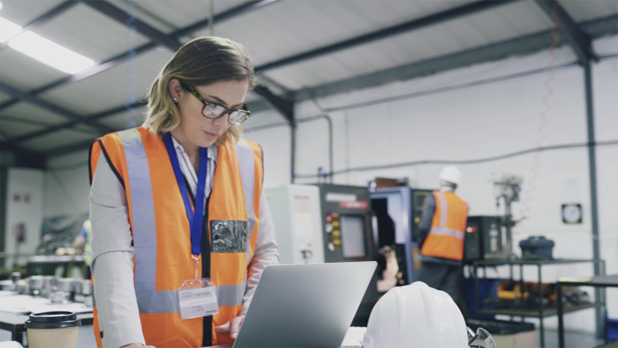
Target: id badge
point(197, 298)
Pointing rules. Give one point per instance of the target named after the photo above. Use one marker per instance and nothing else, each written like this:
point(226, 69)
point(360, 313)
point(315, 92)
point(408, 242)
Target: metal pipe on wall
point(329, 120)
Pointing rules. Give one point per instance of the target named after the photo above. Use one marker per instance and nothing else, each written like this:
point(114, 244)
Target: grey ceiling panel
point(309, 25)
point(587, 10)
point(58, 139)
point(168, 16)
point(91, 34)
point(12, 129)
point(22, 12)
point(30, 112)
point(4, 97)
point(434, 41)
point(126, 119)
point(23, 72)
point(112, 88)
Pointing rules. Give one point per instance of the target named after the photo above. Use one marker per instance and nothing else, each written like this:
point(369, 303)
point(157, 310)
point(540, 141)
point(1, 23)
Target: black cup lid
point(52, 320)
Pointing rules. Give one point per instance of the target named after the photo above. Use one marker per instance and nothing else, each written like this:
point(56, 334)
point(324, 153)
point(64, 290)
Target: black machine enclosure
point(483, 238)
point(348, 234)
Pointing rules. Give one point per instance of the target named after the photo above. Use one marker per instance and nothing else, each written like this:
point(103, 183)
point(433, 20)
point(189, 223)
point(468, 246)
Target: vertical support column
point(560, 316)
point(3, 188)
point(293, 151)
point(594, 214)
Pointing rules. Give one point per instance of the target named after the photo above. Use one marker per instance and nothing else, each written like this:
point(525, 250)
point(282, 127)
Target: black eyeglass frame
point(206, 103)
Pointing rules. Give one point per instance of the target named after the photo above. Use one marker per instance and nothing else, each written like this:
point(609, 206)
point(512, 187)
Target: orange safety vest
point(161, 232)
point(446, 237)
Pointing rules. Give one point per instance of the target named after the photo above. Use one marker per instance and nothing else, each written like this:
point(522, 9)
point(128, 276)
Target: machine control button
point(329, 218)
point(331, 246)
point(336, 223)
point(337, 242)
point(336, 233)
point(329, 228)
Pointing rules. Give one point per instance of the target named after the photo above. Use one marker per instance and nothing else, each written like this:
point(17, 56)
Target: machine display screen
point(352, 236)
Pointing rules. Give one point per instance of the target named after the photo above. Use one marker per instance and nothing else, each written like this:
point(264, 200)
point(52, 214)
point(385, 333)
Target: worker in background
point(82, 242)
point(181, 227)
point(442, 230)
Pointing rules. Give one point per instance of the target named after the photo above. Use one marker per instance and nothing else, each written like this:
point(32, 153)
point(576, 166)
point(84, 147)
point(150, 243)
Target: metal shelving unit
point(542, 311)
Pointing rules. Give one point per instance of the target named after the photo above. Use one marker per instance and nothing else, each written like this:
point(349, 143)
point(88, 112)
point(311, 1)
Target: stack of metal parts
point(57, 290)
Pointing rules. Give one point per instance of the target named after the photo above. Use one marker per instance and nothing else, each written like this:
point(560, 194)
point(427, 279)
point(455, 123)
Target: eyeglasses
point(214, 111)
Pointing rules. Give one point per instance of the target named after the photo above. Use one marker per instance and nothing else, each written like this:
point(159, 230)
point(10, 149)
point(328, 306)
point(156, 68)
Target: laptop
point(308, 305)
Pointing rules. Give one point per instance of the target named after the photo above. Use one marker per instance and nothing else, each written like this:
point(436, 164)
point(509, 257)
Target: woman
point(177, 203)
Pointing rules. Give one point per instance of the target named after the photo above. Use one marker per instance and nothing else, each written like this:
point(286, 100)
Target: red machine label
point(353, 205)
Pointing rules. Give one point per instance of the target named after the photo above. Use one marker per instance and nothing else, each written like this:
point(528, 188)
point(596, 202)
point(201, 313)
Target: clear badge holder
point(197, 297)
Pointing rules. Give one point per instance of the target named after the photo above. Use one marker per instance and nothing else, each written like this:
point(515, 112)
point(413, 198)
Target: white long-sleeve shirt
point(112, 250)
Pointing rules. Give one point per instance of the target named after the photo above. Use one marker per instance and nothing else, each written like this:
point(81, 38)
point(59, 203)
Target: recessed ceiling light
point(50, 53)
point(8, 30)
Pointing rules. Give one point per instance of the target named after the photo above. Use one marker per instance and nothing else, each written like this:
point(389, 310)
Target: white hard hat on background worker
point(415, 315)
point(451, 174)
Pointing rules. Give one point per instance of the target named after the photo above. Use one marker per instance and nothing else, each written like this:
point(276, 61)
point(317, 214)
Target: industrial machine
point(295, 211)
point(322, 223)
point(346, 217)
point(348, 235)
point(483, 238)
point(325, 223)
point(507, 188)
point(397, 212)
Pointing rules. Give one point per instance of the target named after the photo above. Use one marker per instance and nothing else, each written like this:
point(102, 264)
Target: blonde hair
point(199, 62)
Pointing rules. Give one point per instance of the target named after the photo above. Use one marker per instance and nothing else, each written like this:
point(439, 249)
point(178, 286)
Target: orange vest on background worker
point(446, 236)
point(161, 231)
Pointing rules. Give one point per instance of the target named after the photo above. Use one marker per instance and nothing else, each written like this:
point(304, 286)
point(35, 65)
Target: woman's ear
point(175, 89)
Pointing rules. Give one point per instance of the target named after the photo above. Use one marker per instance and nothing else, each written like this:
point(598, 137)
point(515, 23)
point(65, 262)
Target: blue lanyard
point(196, 220)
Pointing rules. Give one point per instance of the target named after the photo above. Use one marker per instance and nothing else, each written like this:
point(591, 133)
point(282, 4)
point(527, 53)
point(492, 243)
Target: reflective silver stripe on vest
point(142, 210)
point(447, 232)
point(442, 230)
point(444, 208)
point(144, 229)
point(167, 301)
point(246, 161)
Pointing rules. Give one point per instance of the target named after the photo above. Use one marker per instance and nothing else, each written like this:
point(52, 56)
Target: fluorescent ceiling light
point(8, 30)
point(50, 53)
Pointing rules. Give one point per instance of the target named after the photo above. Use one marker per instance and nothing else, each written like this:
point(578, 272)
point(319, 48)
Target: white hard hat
point(415, 315)
point(451, 174)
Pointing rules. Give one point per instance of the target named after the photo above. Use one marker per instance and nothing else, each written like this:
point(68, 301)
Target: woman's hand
point(232, 327)
point(137, 345)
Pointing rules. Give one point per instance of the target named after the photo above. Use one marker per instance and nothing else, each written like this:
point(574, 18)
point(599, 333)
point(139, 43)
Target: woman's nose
point(222, 122)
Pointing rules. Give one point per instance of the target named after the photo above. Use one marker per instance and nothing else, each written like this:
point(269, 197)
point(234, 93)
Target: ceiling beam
point(52, 107)
point(223, 16)
point(44, 18)
point(63, 150)
point(577, 38)
point(414, 24)
point(128, 19)
point(158, 37)
point(70, 124)
point(118, 59)
point(284, 106)
point(493, 52)
point(501, 50)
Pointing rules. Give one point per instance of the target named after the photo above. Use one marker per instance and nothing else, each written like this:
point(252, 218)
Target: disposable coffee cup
point(53, 329)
